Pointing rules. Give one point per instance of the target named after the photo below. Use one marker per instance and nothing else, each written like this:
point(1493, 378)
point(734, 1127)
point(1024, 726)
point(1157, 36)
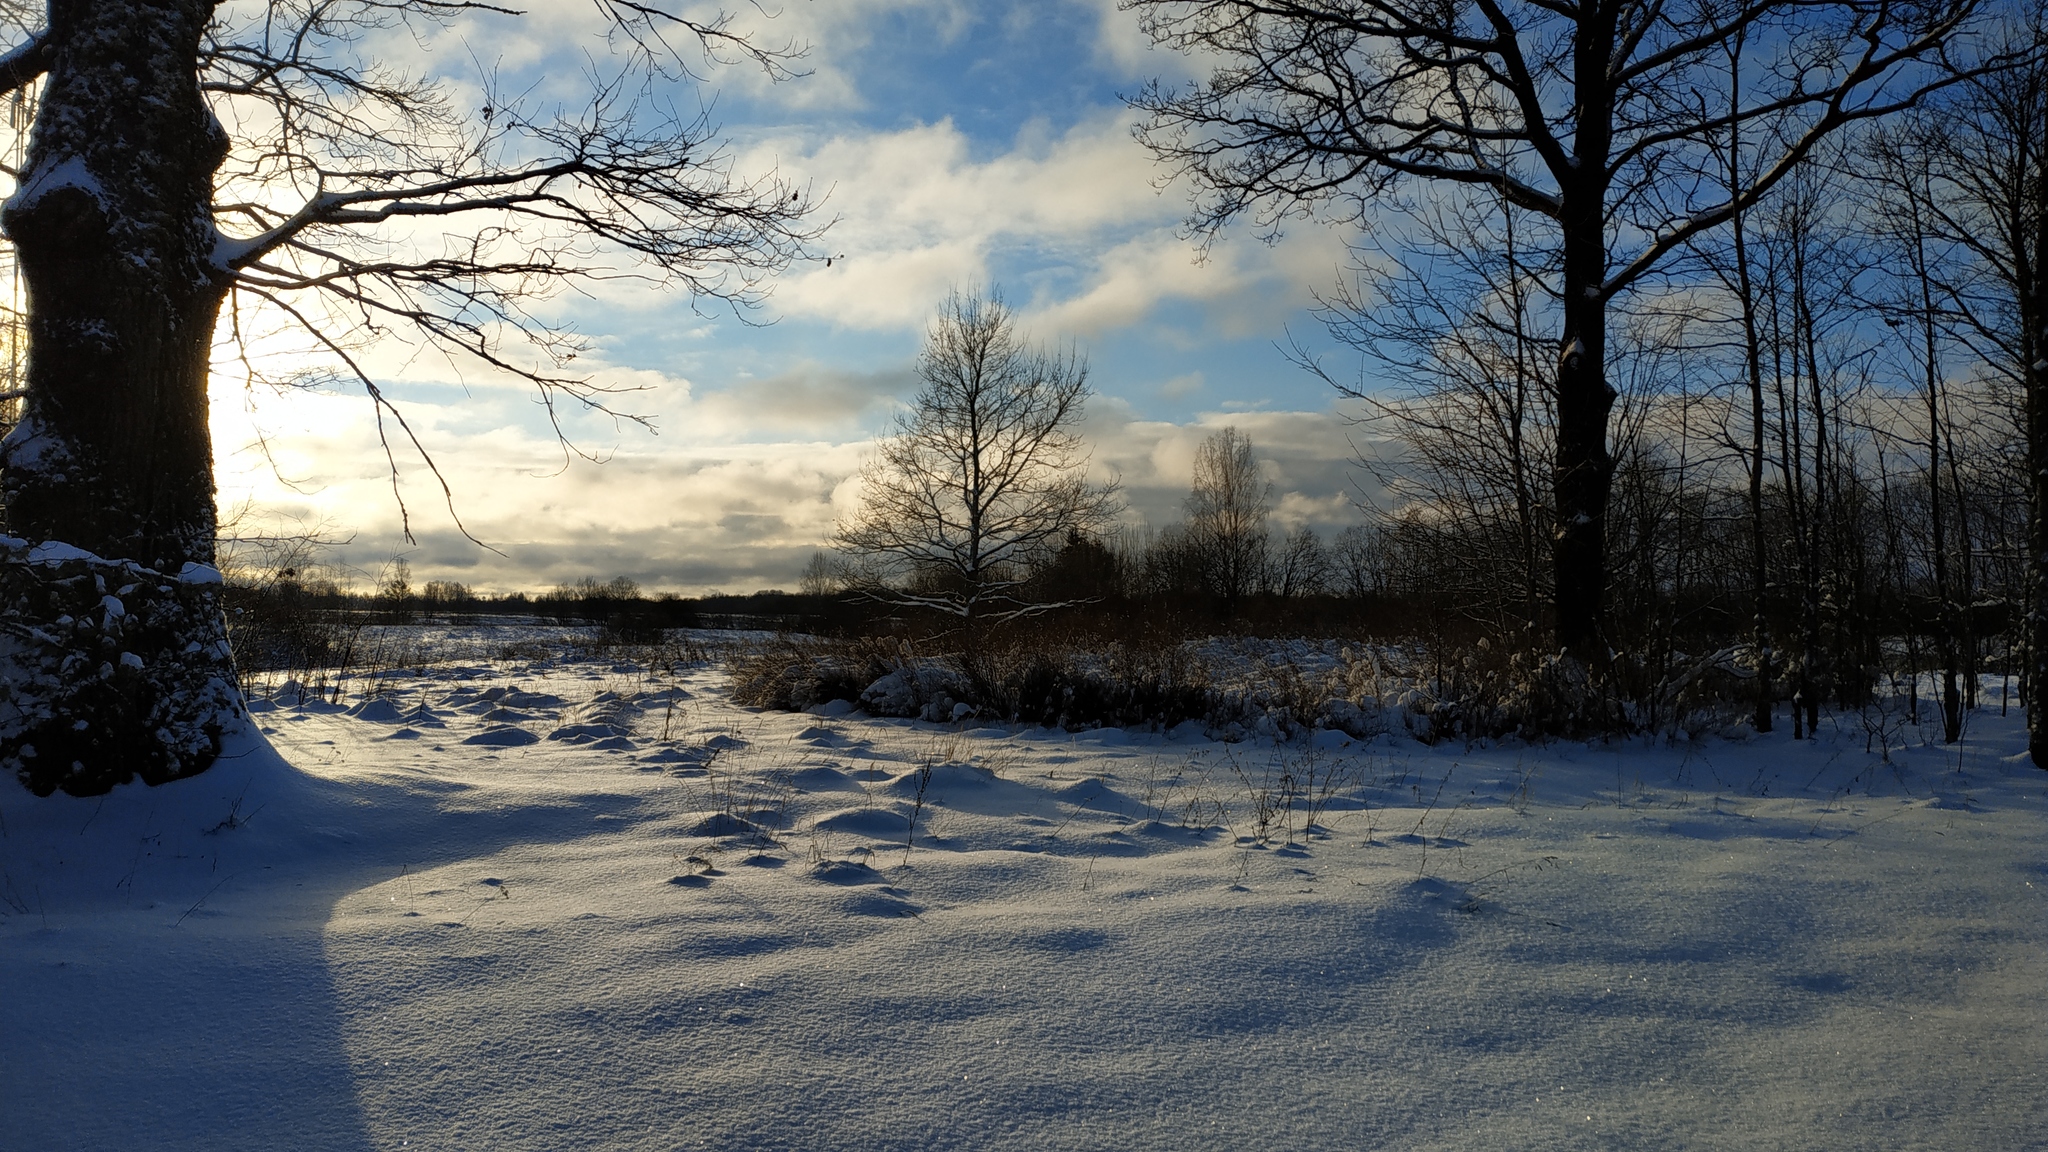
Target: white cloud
point(1122, 47)
point(1309, 457)
point(918, 214)
point(810, 399)
point(686, 518)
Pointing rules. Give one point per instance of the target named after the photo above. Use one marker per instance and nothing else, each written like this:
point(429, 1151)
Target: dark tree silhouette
point(1228, 504)
point(983, 480)
point(1596, 119)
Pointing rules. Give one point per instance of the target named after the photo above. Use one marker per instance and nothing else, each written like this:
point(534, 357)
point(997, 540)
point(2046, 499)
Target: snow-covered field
point(552, 906)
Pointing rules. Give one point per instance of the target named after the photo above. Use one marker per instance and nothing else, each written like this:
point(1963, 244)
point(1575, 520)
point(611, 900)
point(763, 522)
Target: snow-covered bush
point(142, 651)
point(927, 690)
point(1357, 718)
point(1239, 688)
point(1119, 685)
point(794, 673)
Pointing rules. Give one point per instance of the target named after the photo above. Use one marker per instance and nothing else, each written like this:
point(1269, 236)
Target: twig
point(924, 781)
point(202, 899)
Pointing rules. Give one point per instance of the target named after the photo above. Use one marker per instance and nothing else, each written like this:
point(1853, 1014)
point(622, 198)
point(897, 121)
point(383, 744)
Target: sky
point(953, 145)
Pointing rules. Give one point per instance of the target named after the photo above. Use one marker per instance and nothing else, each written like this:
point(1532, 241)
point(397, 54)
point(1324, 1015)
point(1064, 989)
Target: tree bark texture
point(115, 660)
point(1584, 469)
point(2033, 300)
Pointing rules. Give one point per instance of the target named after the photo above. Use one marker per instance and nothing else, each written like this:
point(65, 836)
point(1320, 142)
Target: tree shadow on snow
point(165, 951)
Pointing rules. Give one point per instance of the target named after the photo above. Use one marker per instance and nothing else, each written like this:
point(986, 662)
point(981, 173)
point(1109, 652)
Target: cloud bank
point(688, 518)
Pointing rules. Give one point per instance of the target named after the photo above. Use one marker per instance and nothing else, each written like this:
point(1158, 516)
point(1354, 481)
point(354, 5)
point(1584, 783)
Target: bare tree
point(821, 575)
point(1303, 567)
point(1227, 508)
point(1361, 561)
point(984, 478)
point(1975, 173)
point(1461, 391)
point(192, 164)
point(1595, 118)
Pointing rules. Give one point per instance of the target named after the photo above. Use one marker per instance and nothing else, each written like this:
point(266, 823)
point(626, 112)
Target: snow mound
point(721, 825)
point(379, 709)
point(518, 699)
point(422, 716)
point(890, 822)
point(845, 872)
point(819, 778)
point(503, 738)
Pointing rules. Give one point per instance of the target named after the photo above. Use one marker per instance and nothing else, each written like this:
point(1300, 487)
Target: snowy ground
point(548, 906)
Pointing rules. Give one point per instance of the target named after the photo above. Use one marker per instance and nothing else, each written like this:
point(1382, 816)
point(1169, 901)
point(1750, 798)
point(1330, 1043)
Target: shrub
point(794, 673)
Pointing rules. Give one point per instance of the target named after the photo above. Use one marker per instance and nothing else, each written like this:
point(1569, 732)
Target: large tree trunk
point(1584, 473)
point(115, 663)
point(1584, 470)
point(2033, 301)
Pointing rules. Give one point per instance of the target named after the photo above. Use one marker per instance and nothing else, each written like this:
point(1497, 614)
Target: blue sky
point(956, 144)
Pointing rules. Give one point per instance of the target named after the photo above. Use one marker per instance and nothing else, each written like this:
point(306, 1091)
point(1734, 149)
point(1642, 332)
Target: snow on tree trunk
point(114, 663)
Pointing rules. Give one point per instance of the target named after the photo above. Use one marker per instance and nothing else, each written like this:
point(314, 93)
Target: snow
point(685, 924)
point(58, 552)
point(57, 171)
point(29, 445)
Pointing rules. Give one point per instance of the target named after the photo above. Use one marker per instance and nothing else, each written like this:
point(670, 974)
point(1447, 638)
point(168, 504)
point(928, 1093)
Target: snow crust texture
point(654, 920)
